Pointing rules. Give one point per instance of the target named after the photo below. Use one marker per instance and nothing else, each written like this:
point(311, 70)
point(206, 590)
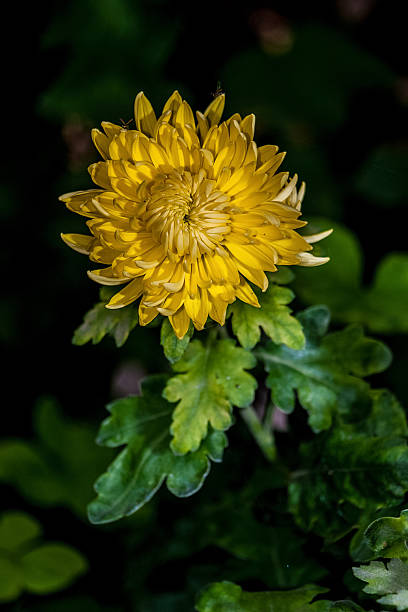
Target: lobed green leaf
point(326, 373)
point(390, 580)
point(142, 424)
point(101, 321)
point(229, 597)
point(213, 380)
point(274, 317)
point(352, 468)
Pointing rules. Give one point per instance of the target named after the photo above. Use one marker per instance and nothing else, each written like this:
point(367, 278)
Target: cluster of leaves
point(45, 470)
point(351, 471)
point(27, 564)
point(175, 443)
point(347, 477)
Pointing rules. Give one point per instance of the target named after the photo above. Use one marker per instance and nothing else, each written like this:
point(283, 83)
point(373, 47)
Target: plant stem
point(223, 331)
point(263, 435)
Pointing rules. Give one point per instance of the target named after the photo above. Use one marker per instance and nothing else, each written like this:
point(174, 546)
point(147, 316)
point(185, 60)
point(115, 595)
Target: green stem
point(212, 336)
point(263, 436)
point(223, 331)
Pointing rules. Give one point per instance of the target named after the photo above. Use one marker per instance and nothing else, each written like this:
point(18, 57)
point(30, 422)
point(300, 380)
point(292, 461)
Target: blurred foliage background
point(328, 84)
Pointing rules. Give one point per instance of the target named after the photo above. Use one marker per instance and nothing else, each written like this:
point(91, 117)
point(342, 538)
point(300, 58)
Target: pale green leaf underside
point(390, 581)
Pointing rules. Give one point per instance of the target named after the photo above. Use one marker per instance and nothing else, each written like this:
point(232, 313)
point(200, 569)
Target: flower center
point(187, 214)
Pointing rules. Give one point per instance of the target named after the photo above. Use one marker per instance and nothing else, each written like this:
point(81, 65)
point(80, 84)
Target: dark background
point(327, 82)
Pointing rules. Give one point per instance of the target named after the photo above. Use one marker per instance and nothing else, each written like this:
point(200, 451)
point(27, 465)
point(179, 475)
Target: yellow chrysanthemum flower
point(188, 212)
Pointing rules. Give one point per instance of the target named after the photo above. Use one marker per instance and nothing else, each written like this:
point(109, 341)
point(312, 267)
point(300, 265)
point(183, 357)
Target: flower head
point(187, 212)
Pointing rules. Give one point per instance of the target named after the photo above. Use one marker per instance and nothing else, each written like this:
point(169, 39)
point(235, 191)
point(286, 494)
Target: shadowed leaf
point(142, 423)
point(326, 373)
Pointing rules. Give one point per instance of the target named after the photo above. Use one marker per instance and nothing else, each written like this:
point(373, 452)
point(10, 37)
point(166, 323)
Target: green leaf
point(283, 276)
point(381, 307)
point(229, 597)
point(326, 373)
point(17, 530)
point(142, 424)
point(390, 580)
point(173, 347)
point(25, 565)
point(277, 551)
point(348, 470)
point(213, 381)
point(360, 549)
point(101, 321)
point(11, 580)
point(46, 470)
point(388, 536)
point(345, 606)
point(52, 567)
point(273, 316)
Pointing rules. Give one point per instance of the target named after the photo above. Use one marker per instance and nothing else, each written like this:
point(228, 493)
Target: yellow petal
point(245, 293)
point(101, 142)
point(218, 309)
point(272, 164)
point(111, 129)
point(128, 294)
point(202, 125)
point(102, 254)
point(248, 126)
point(81, 202)
point(173, 103)
point(144, 115)
point(256, 276)
point(214, 110)
point(78, 242)
point(184, 116)
point(146, 314)
point(244, 255)
point(286, 191)
point(105, 276)
point(180, 323)
point(99, 174)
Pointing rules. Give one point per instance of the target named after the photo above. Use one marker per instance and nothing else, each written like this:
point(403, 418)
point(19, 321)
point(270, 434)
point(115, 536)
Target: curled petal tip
point(106, 280)
point(309, 260)
point(317, 237)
